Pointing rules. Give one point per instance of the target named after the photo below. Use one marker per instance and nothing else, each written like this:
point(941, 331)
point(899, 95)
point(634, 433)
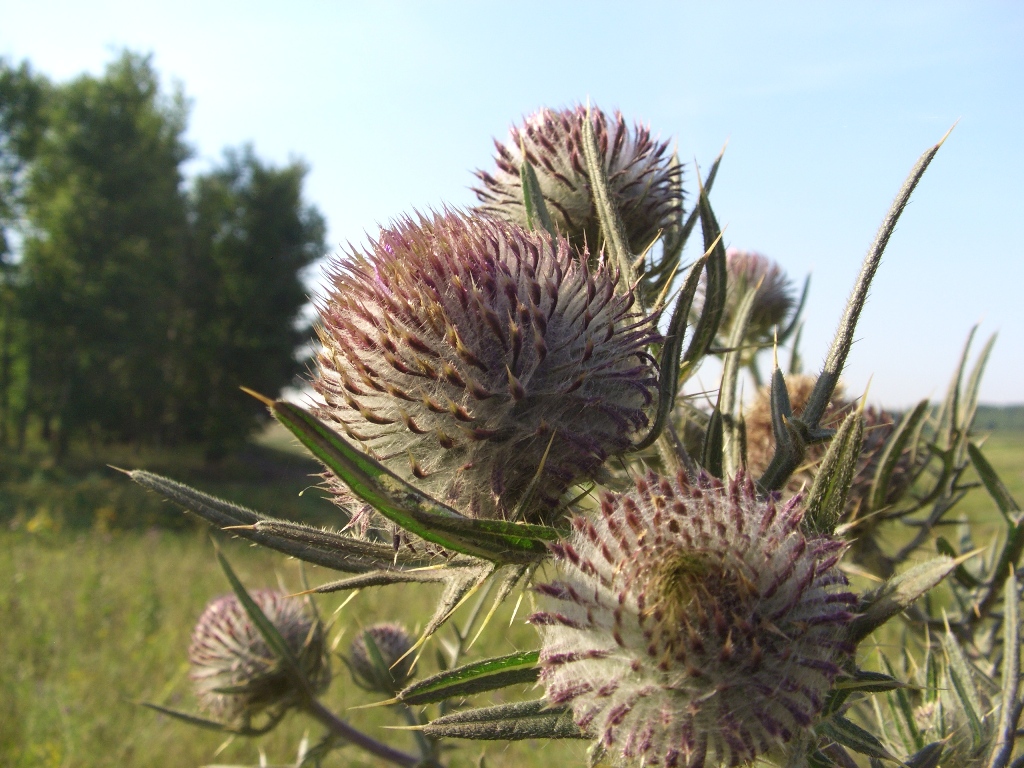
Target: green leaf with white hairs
point(478, 677)
point(947, 418)
point(407, 506)
point(303, 542)
point(612, 229)
point(537, 215)
point(677, 235)
point(728, 402)
point(969, 398)
point(996, 488)
point(1009, 714)
point(961, 677)
point(671, 350)
point(791, 437)
point(507, 722)
point(891, 453)
point(715, 287)
point(903, 715)
point(826, 500)
point(711, 450)
point(836, 358)
point(852, 736)
point(898, 593)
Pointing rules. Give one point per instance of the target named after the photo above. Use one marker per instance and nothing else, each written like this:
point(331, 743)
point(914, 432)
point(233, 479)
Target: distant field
point(93, 619)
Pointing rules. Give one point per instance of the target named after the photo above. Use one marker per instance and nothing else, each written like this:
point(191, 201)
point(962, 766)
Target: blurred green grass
point(96, 612)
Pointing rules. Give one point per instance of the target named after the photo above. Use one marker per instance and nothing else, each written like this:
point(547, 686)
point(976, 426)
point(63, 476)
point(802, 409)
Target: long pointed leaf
point(836, 359)
point(480, 676)
point(1008, 712)
point(537, 215)
point(892, 452)
point(405, 505)
point(826, 501)
point(507, 722)
point(714, 289)
point(671, 350)
point(612, 230)
point(727, 392)
point(898, 593)
point(966, 691)
point(324, 548)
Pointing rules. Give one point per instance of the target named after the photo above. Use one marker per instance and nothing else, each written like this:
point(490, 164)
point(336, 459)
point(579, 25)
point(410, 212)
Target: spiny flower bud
point(228, 652)
point(694, 623)
point(393, 643)
point(472, 358)
point(644, 183)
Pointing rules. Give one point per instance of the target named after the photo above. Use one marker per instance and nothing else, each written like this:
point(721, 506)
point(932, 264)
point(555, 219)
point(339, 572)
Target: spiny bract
point(645, 184)
point(228, 652)
point(693, 622)
point(472, 358)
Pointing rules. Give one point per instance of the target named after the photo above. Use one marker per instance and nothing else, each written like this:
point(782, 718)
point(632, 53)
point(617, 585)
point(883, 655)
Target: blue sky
point(826, 106)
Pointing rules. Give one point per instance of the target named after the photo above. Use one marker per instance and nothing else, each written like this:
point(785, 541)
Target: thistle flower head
point(694, 622)
point(228, 652)
point(479, 361)
point(392, 643)
point(644, 183)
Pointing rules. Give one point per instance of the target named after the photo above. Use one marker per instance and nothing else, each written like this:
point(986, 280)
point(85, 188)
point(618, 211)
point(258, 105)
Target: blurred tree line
point(133, 305)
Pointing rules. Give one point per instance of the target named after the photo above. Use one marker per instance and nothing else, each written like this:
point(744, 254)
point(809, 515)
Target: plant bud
point(483, 363)
point(393, 643)
point(694, 623)
point(644, 184)
point(236, 675)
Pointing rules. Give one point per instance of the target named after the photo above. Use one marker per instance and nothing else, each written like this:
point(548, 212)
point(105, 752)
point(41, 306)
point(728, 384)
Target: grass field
point(94, 618)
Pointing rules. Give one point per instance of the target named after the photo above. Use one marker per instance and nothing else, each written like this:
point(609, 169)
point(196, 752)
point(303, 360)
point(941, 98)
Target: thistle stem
point(343, 730)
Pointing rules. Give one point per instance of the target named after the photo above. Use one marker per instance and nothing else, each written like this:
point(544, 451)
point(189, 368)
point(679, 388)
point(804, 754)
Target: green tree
point(100, 264)
point(250, 237)
point(22, 97)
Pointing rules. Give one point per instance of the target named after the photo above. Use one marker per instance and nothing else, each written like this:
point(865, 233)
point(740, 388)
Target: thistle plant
point(707, 585)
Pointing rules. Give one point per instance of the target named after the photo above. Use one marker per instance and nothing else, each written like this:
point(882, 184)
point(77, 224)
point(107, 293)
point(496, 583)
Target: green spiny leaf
point(507, 722)
point(896, 594)
point(995, 487)
point(612, 229)
point(892, 452)
point(967, 693)
point(480, 676)
point(671, 350)
point(826, 501)
point(715, 289)
point(537, 215)
point(1006, 734)
point(850, 735)
point(405, 505)
point(732, 458)
point(836, 359)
